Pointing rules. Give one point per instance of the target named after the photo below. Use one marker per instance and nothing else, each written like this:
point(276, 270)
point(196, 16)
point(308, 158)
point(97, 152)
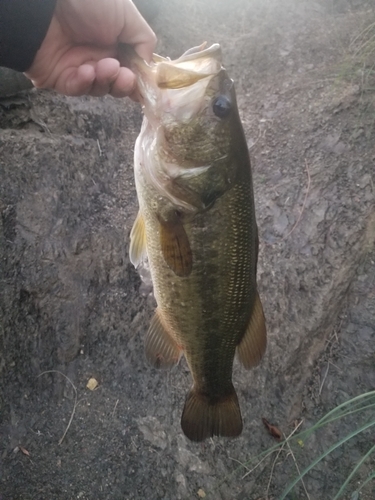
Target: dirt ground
point(72, 306)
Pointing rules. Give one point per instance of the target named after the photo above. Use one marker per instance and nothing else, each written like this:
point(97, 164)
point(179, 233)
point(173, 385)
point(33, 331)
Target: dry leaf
point(24, 451)
point(201, 493)
point(272, 429)
point(92, 384)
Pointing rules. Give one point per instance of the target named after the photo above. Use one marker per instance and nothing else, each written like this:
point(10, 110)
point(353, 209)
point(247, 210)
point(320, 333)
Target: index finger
point(138, 33)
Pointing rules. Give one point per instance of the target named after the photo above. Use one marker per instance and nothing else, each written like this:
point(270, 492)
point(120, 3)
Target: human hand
point(79, 52)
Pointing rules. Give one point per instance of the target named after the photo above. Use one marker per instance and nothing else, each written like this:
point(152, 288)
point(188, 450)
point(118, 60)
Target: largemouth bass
point(196, 225)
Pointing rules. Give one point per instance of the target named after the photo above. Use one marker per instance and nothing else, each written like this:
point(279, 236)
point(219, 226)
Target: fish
point(197, 231)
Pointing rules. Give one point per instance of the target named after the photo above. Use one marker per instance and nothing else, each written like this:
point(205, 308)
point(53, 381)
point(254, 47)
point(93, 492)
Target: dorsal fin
point(253, 344)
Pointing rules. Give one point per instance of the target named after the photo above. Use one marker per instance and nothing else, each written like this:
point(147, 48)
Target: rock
point(153, 431)
point(13, 82)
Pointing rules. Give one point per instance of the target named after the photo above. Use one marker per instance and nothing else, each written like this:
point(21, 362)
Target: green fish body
point(196, 226)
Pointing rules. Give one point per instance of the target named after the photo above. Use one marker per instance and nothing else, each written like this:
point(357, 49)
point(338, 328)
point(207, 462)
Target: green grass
point(360, 404)
point(359, 65)
point(361, 414)
point(357, 406)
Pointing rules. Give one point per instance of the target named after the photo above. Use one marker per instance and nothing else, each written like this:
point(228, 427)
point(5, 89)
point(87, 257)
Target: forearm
point(23, 26)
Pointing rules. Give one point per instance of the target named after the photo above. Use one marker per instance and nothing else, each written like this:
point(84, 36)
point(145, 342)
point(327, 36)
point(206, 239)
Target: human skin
point(79, 54)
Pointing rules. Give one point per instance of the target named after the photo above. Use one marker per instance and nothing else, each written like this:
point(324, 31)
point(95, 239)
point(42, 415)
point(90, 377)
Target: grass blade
point(321, 457)
point(344, 485)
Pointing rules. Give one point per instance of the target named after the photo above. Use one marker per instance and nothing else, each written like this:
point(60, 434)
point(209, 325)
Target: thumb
point(137, 32)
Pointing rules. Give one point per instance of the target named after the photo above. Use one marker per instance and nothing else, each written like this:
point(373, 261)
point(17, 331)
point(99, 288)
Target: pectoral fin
point(161, 349)
point(138, 251)
point(175, 247)
point(253, 344)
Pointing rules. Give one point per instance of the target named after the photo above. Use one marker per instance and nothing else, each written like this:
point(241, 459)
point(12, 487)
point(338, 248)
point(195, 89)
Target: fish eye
point(221, 106)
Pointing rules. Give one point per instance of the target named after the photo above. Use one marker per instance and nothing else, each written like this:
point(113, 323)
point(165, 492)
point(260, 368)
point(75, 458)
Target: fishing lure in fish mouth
point(196, 228)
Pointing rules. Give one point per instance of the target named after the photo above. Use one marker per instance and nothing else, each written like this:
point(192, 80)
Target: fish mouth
point(197, 63)
point(194, 65)
point(174, 89)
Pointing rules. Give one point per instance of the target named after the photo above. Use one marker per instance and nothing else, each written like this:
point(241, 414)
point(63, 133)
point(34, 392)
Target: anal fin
point(203, 418)
point(253, 344)
point(161, 349)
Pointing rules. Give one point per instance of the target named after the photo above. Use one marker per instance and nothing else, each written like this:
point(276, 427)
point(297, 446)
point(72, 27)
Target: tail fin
point(203, 418)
